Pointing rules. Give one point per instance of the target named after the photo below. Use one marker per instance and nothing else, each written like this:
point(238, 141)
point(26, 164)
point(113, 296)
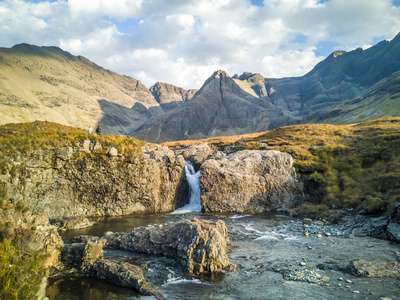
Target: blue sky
point(183, 42)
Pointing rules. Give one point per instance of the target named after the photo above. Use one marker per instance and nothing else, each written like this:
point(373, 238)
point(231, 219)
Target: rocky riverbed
point(279, 257)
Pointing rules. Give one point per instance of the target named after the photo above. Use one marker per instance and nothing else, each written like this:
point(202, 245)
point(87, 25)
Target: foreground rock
point(86, 258)
point(68, 182)
point(124, 274)
point(364, 268)
point(29, 233)
point(249, 180)
point(200, 246)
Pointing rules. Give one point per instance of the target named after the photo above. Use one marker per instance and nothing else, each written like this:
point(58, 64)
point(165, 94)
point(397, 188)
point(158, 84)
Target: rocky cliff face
point(249, 180)
point(169, 96)
point(70, 182)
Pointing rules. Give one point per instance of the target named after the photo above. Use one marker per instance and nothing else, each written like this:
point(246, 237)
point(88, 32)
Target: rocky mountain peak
point(338, 53)
point(220, 74)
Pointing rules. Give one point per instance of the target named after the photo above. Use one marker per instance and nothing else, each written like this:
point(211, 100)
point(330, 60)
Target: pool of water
point(262, 243)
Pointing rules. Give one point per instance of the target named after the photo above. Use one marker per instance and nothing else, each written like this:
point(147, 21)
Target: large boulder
point(393, 231)
point(67, 182)
point(249, 180)
point(364, 268)
point(200, 246)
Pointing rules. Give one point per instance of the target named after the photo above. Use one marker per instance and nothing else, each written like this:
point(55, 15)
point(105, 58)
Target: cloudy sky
point(183, 42)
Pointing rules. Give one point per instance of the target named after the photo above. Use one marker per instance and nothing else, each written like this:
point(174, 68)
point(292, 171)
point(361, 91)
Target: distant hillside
point(346, 87)
point(49, 84)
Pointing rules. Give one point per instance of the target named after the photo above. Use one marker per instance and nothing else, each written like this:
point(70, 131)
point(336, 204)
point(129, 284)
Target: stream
point(262, 243)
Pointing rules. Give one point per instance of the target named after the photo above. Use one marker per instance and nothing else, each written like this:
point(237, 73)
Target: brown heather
point(347, 166)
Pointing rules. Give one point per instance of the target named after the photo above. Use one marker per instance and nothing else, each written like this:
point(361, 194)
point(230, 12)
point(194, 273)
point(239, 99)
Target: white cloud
point(184, 42)
point(119, 9)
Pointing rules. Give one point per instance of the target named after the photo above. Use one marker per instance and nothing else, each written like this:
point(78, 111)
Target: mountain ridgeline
point(47, 83)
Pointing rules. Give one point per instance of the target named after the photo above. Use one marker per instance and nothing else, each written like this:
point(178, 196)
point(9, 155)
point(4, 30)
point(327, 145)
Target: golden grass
point(352, 166)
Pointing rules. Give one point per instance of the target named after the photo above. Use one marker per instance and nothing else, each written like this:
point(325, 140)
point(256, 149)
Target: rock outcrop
point(126, 275)
point(249, 180)
point(169, 96)
point(33, 231)
point(68, 182)
point(200, 246)
point(30, 233)
point(73, 223)
point(86, 258)
point(364, 268)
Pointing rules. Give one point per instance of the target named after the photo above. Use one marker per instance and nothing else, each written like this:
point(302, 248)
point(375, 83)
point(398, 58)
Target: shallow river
point(263, 243)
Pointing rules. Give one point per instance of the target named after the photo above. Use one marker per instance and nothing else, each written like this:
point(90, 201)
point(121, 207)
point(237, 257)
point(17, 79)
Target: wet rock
point(249, 180)
point(200, 246)
point(72, 223)
point(125, 275)
point(310, 276)
point(365, 268)
point(197, 153)
point(92, 252)
point(393, 230)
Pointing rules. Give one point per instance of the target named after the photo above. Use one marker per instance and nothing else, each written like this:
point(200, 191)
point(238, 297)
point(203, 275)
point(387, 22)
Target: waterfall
point(193, 179)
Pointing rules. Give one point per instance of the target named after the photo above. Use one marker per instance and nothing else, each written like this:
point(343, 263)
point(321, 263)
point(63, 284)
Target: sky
point(182, 42)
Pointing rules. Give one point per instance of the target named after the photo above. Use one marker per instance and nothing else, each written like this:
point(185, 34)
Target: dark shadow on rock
point(118, 119)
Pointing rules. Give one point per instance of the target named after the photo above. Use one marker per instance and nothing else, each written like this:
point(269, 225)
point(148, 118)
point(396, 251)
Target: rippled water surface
point(263, 243)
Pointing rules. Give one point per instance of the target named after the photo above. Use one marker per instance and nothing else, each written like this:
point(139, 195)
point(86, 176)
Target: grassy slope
point(346, 166)
point(25, 137)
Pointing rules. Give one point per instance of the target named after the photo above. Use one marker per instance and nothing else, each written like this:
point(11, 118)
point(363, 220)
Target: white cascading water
point(193, 179)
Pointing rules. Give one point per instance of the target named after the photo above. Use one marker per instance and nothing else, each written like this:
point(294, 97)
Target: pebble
point(385, 298)
point(356, 292)
point(339, 285)
point(319, 236)
point(328, 234)
point(309, 248)
point(349, 281)
point(302, 263)
point(347, 286)
point(108, 233)
point(306, 234)
point(340, 279)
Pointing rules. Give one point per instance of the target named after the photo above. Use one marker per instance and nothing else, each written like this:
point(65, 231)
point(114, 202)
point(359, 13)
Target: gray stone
point(200, 246)
point(81, 185)
point(249, 180)
point(112, 152)
point(125, 275)
point(307, 221)
point(86, 146)
point(310, 276)
point(393, 231)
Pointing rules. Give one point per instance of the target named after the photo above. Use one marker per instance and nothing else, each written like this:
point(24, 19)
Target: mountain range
point(47, 83)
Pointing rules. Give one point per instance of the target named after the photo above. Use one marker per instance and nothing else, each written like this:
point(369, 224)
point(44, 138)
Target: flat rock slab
point(124, 274)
